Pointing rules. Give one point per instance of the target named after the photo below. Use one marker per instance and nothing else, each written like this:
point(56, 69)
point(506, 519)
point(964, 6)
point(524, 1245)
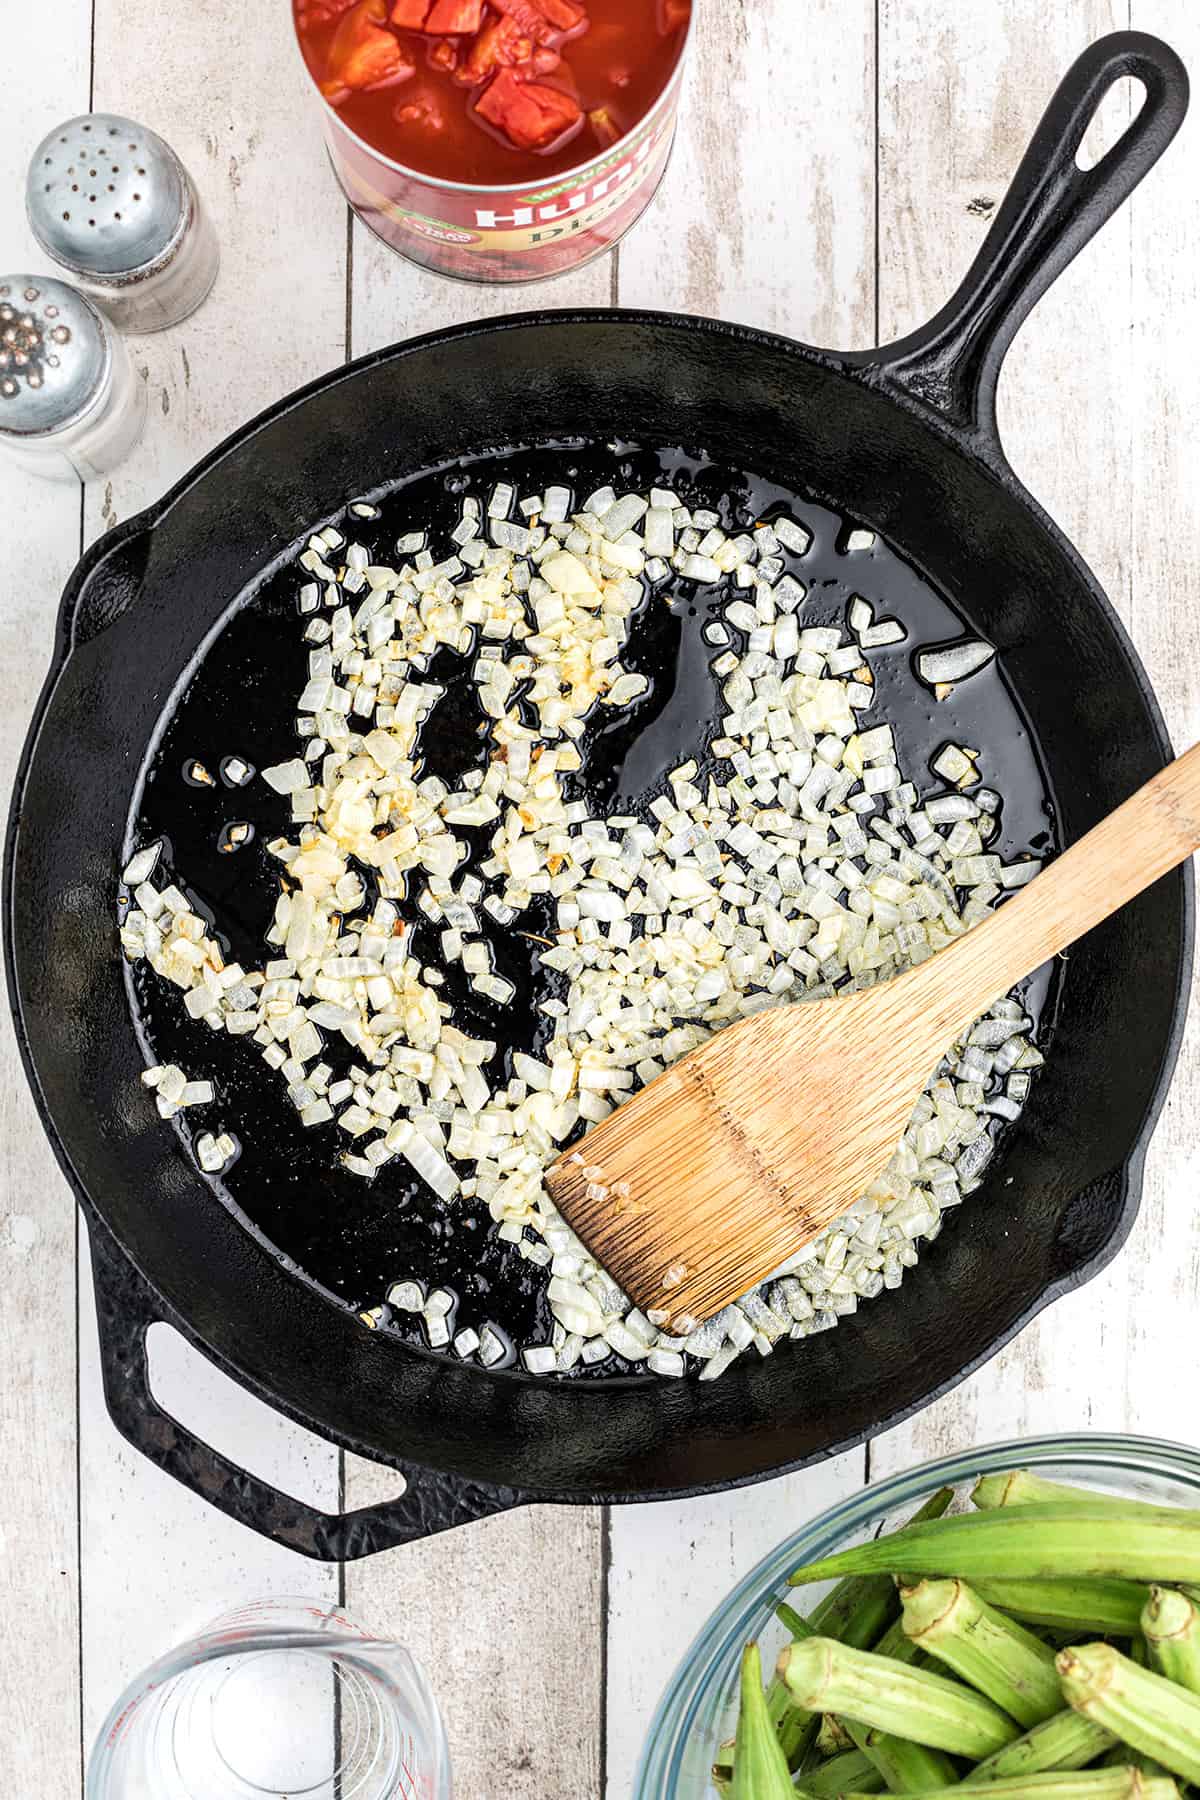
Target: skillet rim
point(869, 368)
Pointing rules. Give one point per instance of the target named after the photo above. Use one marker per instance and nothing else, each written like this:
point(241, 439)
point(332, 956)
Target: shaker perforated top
point(105, 196)
point(54, 351)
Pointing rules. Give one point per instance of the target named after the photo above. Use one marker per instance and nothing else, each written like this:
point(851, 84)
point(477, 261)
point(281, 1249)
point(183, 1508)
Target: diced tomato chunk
point(531, 115)
point(564, 15)
point(320, 12)
point(455, 18)
point(441, 18)
point(500, 45)
point(544, 20)
point(364, 53)
point(424, 113)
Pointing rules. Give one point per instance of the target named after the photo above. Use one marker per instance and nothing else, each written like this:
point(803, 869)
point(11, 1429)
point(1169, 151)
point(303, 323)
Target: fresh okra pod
point(833, 1738)
point(1121, 1756)
point(1145, 1710)
point(794, 1729)
point(904, 1766)
point(1021, 1487)
point(790, 1619)
point(897, 1644)
point(854, 1612)
point(760, 1770)
point(1088, 1784)
point(1171, 1628)
point(860, 1608)
point(910, 1703)
point(1100, 1606)
point(994, 1654)
point(1035, 1542)
point(1067, 1741)
point(851, 1770)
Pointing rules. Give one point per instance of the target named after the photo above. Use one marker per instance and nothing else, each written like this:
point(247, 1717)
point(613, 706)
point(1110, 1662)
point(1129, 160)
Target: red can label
point(508, 234)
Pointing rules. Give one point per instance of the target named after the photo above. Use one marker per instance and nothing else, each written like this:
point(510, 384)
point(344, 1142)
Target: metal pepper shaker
point(112, 204)
point(70, 403)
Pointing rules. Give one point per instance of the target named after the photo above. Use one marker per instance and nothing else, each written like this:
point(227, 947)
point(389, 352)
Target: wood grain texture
point(39, 1566)
point(241, 122)
point(392, 299)
point(685, 1239)
point(767, 212)
point(767, 216)
point(1104, 431)
point(1163, 1257)
point(506, 1618)
point(518, 1599)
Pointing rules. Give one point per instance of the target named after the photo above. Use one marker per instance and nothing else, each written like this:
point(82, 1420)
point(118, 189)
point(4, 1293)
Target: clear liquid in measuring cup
point(282, 1700)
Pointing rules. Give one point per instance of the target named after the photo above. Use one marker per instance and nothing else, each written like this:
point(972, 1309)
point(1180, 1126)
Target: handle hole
point(1122, 102)
point(220, 1412)
point(205, 1401)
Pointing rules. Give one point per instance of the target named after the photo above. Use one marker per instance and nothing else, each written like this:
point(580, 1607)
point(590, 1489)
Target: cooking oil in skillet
point(356, 1239)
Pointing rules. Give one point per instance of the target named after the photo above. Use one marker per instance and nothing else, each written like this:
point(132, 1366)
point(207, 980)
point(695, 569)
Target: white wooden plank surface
point(1095, 420)
point(769, 216)
point(39, 1539)
point(529, 1582)
point(275, 319)
point(789, 247)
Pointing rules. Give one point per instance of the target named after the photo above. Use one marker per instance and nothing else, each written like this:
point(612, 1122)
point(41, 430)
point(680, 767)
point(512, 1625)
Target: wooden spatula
point(705, 1182)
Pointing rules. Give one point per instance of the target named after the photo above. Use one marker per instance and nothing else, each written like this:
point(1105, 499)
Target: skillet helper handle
point(126, 1308)
point(1051, 210)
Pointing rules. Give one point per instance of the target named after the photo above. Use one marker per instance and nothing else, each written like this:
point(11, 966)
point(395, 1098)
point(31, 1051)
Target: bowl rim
point(729, 1623)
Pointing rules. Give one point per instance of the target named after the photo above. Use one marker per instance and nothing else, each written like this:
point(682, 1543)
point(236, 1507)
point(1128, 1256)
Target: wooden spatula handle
point(1129, 850)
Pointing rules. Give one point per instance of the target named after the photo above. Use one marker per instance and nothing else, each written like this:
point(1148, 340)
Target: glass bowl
point(698, 1711)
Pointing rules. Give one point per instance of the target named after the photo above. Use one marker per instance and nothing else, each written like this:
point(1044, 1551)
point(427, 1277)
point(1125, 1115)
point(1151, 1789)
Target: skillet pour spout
point(903, 439)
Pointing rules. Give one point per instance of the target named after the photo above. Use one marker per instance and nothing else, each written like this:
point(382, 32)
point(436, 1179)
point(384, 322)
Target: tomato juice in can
point(569, 200)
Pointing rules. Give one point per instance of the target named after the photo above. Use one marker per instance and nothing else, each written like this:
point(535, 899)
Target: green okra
point(760, 1770)
point(1171, 1628)
point(1067, 1741)
point(796, 1730)
point(1035, 1542)
point(1087, 1784)
point(791, 1620)
point(1021, 1487)
point(833, 1738)
point(1100, 1606)
point(854, 1612)
point(857, 1610)
point(1143, 1709)
point(910, 1703)
point(722, 1772)
point(992, 1652)
point(852, 1769)
point(897, 1644)
point(904, 1766)
point(1122, 1757)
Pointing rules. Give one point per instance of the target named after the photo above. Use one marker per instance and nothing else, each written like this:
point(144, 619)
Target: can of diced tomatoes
point(514, 231)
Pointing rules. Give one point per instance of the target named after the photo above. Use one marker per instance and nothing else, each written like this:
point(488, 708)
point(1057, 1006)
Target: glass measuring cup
point(280, 1700)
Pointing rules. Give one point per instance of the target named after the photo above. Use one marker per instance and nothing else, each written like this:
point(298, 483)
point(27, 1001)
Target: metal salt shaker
point(115, 207)
point(70, 403)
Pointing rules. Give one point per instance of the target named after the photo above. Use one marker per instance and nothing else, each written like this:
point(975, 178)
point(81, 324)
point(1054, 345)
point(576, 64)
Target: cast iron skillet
point(903, 438)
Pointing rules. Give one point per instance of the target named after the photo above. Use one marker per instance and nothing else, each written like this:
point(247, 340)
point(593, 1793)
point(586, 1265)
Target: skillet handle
point(1051, 210)
point(126, 1308)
